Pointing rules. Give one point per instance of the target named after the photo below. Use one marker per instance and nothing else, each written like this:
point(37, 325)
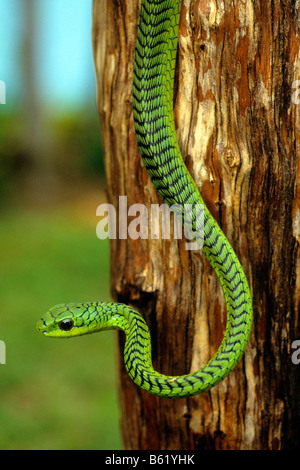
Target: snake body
point(154, 66)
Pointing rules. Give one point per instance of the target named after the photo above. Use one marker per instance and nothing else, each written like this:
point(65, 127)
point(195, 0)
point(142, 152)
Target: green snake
point(154, 69)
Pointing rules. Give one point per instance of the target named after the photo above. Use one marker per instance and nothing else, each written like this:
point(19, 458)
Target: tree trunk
point(238, 130)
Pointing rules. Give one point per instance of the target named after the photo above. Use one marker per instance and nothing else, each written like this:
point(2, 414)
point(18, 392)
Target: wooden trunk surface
point(238, 130)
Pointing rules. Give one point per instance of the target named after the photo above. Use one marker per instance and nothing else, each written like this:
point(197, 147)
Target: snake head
point(66, 320)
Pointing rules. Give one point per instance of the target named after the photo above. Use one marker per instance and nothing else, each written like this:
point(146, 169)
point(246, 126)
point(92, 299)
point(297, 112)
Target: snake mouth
point(41, 327)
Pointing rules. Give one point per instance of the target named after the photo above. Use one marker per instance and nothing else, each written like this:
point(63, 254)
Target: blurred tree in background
point(53, 395)
point(45, 147)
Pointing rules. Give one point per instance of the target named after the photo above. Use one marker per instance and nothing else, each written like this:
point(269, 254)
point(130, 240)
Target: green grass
point(54, 394)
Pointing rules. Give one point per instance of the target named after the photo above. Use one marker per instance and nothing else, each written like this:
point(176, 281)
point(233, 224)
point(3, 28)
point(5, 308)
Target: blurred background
point(54, 394)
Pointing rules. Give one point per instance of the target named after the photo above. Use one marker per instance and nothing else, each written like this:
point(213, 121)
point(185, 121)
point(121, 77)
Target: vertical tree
point(37, 143)
point(33, 109)
point(238, 129)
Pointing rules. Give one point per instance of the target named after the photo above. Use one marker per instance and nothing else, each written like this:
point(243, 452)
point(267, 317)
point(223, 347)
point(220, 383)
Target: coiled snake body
point(154, 66)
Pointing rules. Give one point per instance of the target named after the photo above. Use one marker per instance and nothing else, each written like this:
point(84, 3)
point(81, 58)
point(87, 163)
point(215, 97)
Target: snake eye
point(66, 324)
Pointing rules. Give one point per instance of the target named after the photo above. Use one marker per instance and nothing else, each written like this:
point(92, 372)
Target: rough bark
point(238, 130)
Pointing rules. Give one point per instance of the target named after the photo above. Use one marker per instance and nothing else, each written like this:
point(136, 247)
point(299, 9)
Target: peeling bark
point(239, 133)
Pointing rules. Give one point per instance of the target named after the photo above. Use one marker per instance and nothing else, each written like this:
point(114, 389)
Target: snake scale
point(154, 69)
